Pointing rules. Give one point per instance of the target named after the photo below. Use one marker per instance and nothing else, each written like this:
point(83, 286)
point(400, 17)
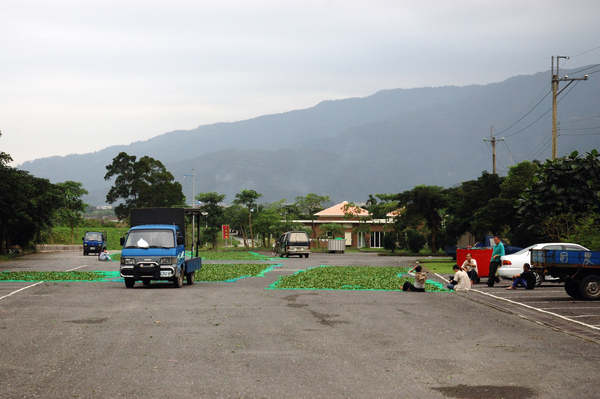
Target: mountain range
point(388, 142)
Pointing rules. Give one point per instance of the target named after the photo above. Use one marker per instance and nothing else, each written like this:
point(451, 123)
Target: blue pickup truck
point(580, 270)
point(154, 248)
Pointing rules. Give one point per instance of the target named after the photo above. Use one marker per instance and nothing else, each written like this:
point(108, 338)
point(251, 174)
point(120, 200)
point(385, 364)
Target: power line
point(527, 113)
point(508, 150)
point(581, 120)
point(585, 52)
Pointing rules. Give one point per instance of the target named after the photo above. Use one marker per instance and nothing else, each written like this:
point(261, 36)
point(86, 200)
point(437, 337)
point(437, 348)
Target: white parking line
point(586, 315)
point(20, 289)
point(567, 307)
point(539, 310)
point(75, 268)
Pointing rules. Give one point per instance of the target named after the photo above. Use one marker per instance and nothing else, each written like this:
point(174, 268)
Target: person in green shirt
point(495, 261)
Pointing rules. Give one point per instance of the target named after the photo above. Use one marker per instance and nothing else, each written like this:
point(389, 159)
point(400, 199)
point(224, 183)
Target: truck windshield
point(150, 239)
point(93, 237)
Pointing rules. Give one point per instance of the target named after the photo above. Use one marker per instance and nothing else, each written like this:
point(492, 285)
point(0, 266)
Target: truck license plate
point(92, 247)
point(165, 273)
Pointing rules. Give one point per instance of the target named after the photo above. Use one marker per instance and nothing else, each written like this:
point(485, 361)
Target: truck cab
point(94, 242)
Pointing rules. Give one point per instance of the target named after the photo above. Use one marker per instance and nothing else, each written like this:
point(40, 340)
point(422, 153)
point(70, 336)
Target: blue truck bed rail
point(564, 258)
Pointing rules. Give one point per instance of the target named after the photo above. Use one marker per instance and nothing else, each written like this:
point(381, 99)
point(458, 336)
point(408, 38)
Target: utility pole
point(493, 141)
point(193, 176)
point(555, 94)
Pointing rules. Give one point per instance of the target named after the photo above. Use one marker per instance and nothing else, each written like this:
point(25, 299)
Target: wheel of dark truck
point(129, 282)
point(538, 279)
point(190, 277)
point(146, 281)
point(306, 255)
point(178, 281)
point(572, 289)
point(590, 287)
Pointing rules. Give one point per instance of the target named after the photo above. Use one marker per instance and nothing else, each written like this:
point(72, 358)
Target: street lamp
point(193, 176)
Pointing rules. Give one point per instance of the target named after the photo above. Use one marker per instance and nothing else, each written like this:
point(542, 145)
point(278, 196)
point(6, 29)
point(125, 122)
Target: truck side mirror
point(122, 240)
point(180, 240)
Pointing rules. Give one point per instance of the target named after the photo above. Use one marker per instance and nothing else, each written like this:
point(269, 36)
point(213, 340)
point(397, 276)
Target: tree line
point(558, 200)
point(30, 206)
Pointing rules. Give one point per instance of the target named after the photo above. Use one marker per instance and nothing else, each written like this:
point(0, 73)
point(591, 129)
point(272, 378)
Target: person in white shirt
point(460, 281)
point(420, 279)
point(103, 255)
point(470, 266)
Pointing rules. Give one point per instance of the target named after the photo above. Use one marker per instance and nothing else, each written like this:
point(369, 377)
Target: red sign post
point(225, 231)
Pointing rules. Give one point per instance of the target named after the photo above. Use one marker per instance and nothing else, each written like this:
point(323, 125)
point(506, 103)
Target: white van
point(292, 243)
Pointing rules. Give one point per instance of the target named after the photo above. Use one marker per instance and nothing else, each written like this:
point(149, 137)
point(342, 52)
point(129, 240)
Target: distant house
point(350, 218)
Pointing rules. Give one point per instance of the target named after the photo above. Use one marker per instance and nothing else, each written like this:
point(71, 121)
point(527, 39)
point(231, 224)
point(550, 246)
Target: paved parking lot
point(548, 304)
point(241, 339)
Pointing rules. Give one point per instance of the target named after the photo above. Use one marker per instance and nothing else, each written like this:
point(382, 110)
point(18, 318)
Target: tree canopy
point(248, 199)
point(210, 206)
point(73, 206)
point(142, 183)
point(563, 190)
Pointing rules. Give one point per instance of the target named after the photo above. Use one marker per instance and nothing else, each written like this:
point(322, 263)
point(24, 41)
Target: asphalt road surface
point(243, 340)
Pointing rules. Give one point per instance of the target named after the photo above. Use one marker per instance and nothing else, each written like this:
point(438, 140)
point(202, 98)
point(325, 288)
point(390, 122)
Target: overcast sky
point(78, 76)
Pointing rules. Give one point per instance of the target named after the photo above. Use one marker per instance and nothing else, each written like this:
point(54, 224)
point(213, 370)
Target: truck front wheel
point(129, 282)
point(178, 281)
point(590, 287)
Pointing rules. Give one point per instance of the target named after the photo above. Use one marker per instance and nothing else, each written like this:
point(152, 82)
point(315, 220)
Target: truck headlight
point(128, 261)
point(168, 261)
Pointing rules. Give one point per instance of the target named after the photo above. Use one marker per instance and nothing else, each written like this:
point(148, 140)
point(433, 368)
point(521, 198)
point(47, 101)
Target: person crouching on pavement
point(420, 279)
point(103, 255)
point(460, 281)
point(526, 279)
point(470, 266)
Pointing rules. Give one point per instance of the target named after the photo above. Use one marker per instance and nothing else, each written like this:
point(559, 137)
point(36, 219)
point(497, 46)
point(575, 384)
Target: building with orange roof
point(360, 229)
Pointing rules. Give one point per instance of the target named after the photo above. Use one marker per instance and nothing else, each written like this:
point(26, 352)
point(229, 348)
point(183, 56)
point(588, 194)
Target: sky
point(79, 76)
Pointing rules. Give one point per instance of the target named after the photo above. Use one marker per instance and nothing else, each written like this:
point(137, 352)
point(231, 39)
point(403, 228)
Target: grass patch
point(350, 278)
point(216, 272)
point(56, 276)
point(62, 236)
point(230, 255)
point(439, 266)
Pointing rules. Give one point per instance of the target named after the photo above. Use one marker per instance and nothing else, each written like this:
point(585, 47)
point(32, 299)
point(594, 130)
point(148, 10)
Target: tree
point(567, 186)
point(27, 206)
point(73, 206)
point(380, 209)
point(214, 214)
point(423, 204)
point(145, 183)
point(465, 201)
point(310, 205)
point(237, 218)
point(248, 199)
point(333, 230)
point(273, 220)
point(500, 214)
